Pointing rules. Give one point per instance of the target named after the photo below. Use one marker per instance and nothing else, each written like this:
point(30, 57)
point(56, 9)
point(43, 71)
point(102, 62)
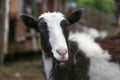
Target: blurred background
point(20, 55)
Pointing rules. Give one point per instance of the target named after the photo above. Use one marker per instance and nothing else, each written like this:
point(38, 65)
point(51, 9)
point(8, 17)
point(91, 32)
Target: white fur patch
point(48, 64)
point(100, 66)
point(94, 32)
point(102, 69)
point(87, 44)
point(91, 31)
point(56, 36)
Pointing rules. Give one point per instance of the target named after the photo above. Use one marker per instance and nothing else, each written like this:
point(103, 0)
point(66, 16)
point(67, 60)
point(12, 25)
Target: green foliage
point(6, 71)
point(103, 5)
point(86, 2)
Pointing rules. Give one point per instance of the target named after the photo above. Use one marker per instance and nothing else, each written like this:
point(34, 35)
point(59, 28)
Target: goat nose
point(61, 52)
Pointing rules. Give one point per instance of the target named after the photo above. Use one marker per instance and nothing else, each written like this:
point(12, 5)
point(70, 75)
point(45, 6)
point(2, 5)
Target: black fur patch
point(44, 33)
point(75, 16)
point(64, 25)
point(71, 70)
point(29, 21)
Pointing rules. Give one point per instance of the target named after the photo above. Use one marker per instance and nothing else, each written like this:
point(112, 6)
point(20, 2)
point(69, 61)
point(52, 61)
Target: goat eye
point(64, 23)
point(42, 27)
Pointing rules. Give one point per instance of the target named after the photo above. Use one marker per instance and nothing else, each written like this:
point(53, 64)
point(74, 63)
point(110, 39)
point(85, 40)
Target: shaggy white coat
point(100, 66)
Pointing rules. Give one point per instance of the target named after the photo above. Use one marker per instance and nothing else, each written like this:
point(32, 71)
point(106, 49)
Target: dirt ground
point(22, 68)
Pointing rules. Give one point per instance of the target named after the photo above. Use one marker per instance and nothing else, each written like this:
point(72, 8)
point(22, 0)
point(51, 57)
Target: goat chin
point(59, 63)
point(62, 64)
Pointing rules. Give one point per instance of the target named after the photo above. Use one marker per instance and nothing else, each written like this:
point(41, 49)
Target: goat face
point(51, 28)
point(53, 31)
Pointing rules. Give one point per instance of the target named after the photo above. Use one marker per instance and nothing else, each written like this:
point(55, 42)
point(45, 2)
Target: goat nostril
point(61, 52)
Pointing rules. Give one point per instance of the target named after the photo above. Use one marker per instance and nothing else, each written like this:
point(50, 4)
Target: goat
point(70, 56)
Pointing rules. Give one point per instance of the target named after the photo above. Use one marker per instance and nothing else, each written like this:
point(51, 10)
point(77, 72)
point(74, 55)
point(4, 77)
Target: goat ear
point(29, 21)
point(75, 16)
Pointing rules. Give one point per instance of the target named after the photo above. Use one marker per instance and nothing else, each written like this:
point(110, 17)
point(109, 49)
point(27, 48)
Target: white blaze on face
point(56, 36)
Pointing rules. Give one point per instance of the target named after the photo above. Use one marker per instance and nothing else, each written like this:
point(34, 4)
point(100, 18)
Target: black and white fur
point(70, 56)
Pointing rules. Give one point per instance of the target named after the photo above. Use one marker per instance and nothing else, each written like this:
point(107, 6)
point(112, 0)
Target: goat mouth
point(61, 65)
point(60, 59)
point(59, 62)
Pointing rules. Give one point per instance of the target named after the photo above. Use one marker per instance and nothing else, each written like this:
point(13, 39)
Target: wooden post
point(2, 10)
point(50, 6)
point(45, 6)
point(6, 26)
point(55, 5)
